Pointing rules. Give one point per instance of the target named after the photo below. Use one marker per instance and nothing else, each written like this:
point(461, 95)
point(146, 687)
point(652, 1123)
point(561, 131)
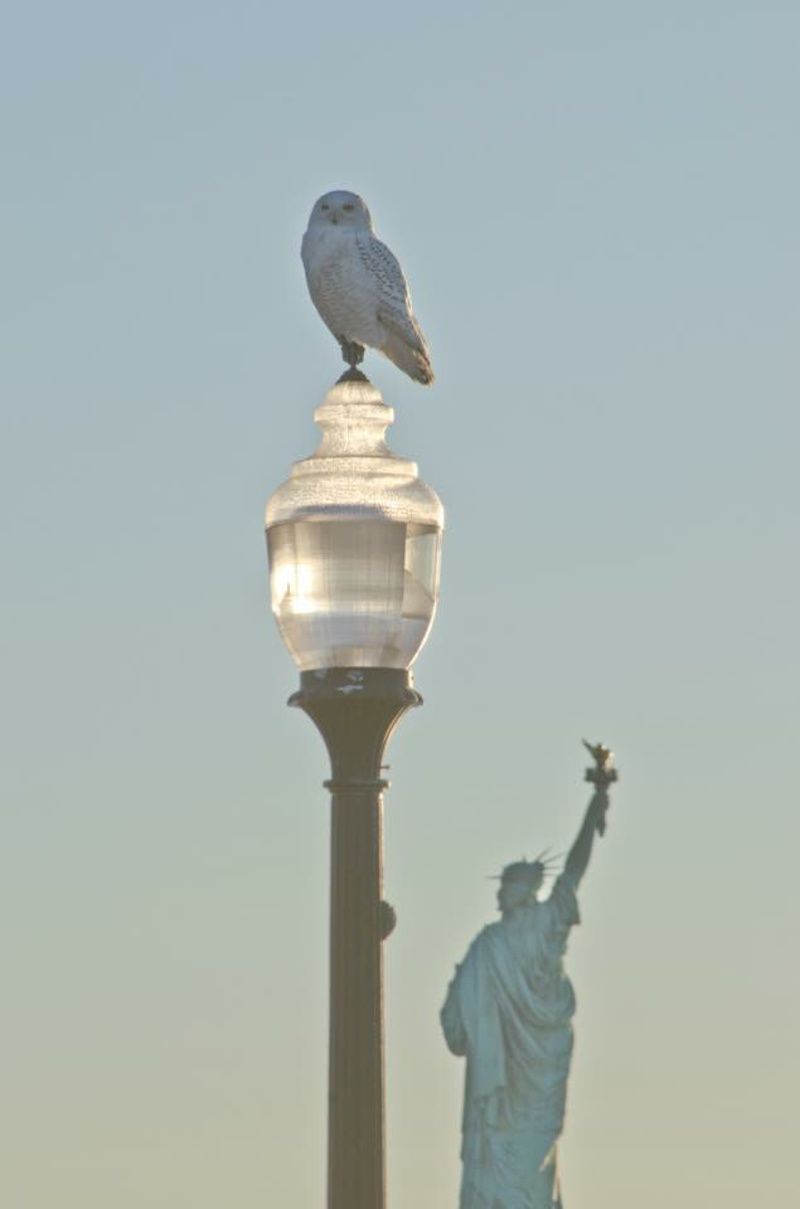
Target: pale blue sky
point(597, 209)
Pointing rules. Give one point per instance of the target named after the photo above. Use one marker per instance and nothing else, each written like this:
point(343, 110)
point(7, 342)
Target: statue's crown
point(530, 872)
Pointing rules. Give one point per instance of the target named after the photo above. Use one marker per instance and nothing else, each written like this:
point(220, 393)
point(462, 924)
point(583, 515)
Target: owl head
point(341, 209)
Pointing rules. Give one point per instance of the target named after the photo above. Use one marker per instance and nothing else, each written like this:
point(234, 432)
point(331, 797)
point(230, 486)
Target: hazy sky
point(597, 209)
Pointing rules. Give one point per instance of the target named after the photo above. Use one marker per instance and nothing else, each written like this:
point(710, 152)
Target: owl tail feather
point(414, 362)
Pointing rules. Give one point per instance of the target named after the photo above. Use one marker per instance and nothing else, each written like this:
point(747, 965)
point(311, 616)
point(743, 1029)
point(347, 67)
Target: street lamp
point(354, 542)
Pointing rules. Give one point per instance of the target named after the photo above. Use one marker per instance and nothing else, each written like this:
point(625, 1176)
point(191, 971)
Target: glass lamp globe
point(354, 543)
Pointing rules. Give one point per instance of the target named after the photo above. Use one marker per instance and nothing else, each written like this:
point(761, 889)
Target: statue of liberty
point(509, 1012)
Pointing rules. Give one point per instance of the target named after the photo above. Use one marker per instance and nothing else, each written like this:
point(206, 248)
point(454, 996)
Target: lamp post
point(354, 543)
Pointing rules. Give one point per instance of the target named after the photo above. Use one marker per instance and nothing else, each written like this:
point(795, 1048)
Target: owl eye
point(324, 206)
point(348, 206)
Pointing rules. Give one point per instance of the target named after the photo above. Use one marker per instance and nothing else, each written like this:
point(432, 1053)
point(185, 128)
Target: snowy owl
point(358, 287)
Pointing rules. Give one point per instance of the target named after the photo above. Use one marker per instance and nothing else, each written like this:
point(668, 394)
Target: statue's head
point(520, 882)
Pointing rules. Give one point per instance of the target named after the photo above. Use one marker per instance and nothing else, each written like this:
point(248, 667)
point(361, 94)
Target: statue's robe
point(509, 1011)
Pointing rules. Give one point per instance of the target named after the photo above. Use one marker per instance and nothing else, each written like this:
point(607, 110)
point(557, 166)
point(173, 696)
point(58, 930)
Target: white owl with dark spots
point(358, 287)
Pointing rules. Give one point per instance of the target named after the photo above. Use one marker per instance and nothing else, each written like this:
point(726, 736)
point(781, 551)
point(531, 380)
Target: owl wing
point(393, 297)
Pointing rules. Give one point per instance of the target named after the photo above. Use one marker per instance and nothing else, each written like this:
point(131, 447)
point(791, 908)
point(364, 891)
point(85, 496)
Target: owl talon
point(352, 353)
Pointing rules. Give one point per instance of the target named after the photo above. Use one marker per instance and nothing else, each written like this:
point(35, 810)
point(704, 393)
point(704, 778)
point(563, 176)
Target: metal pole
point(356, 710)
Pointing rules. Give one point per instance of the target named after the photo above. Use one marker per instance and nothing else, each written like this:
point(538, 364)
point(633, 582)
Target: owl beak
point(334, 220)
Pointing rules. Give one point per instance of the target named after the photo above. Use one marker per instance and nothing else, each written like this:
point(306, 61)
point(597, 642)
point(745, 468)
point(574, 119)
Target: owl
point(358, 287)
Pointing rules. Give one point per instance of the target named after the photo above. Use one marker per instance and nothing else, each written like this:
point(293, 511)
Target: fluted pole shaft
point(356, 1143)
point(356, 711)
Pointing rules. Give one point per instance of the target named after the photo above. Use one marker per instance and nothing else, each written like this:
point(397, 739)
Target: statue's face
point(513, 894)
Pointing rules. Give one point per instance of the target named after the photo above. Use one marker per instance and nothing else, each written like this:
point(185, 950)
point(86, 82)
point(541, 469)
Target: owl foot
point(353, 353)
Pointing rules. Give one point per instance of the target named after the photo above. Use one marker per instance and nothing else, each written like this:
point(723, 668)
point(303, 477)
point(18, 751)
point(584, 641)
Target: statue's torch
point(601, 775)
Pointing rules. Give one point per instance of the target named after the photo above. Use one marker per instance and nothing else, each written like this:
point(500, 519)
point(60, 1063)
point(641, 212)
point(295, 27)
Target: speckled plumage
point(358, 287)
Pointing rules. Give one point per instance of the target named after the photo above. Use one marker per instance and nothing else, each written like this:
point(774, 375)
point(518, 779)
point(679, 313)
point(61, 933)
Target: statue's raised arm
point(602, 775)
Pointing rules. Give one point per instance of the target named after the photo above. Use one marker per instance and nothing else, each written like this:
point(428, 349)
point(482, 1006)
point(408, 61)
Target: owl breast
point(341, 288)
